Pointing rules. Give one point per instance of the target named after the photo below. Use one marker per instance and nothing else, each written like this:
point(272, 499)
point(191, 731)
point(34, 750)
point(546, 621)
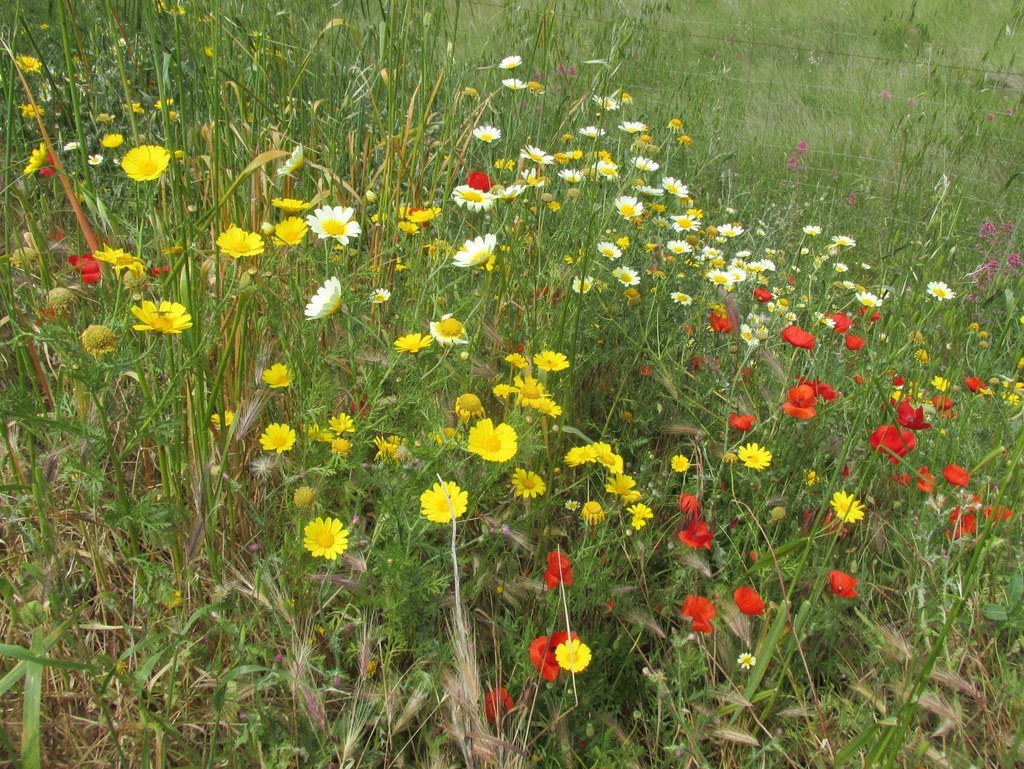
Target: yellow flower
point(468, 406)
point(387, 448)
point(112, 141)
point(167, 318)
point(145, 163)
point(530, 391)
point(811, 478)
point(847, 507)
point(495, 444)
point(580, 455)
point(290, 206)
point(527, 484)
point(641, 515)
point(325, 538)
point(550, 361)
point(549, 408)
point(622, 485)
point(754, 456)
point(277, 376)
point(225, 420)
point(413, 343)
point(278, 437)
point(29, 111)
point(236, 242)
point(592, 513)
point(940, 383)
point(441, 504)
point(573, 655)
point(342, 424)
point(120, 260)
point(680, 463)
point(289, 232)
point(448, 331)
point(38, 159)
point(516, 359)
point(27, 63)
point(341, 447)
point(608, 458)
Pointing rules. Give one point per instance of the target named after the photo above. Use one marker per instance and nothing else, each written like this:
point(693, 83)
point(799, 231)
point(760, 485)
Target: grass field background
point(161, 602)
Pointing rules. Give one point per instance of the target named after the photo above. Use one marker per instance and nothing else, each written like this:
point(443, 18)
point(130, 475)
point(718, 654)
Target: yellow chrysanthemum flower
point(167, 318)
point(493, 443)
point(641, 515)
point(325, 538)
point(236, 242)
point(278, 437)
point(680, 463)
point(573, 655)
point(441, 504)
point(847, 507)
point(550, 361)
point(413, 343)
point(277, 376)
point(527, 484)
point(289, 232)
point(754, 456)
point(146, 163)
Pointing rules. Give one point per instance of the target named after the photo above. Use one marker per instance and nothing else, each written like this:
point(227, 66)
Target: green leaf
point(995, 612)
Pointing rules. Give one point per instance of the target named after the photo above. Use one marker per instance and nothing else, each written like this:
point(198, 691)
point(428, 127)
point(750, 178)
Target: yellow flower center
point(335, 227)
point(325, 539)
point(450, 328)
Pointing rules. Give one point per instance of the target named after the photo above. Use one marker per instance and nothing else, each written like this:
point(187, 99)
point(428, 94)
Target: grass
point(162, 600)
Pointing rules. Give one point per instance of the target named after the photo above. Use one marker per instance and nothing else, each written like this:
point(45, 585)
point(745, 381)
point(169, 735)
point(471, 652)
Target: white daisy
point(941, 291)
point(626, 276)
point(511, 192)
point(609, 103)
point(675, 187)
point(592, 132)
point(473, 199)
point(487, 133)
point(513, 84)
point(628, 206)
point(679, 247)
point(812, 230)
point(326, 301)
point(645, 164)
point(730, 230)
point(293, 163)
point(633, 126)
point(610, 250)
point(570, 175)
point(680, 298)
point(607, 169)
point(685, 223)
point(379, 296)
point(334, 222)
point(510, 62)
point(582, 285)
point(536, 154)
point(476, 251)
point(95, 160)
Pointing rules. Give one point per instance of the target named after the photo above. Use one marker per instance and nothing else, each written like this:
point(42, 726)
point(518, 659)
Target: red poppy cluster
point(800, 402)
point(700, 611)
point(842, 584)
point(720, 322)
point(497, 702)
point(748, 601)
point(88, 267)
point(895, 442)
point(741, 422)
point(696, 534)
point(797, 337)
point(559, 570)
point(542, 653)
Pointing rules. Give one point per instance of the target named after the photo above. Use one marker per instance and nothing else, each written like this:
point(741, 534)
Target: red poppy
point(700, 611)
point(88, 267)
point(479, 181)
point(823, 390)
point(956, 475)
point(720, 322)
point(842, 323)
point(974, 384)
point(697, 535)
point(911, 418)
point(925, 480)
point(497, 701)
point(894, 441)
point(689, 505)
point(898, 381)
point(748, 601)
point(843, 585)
point(1000, 513)
point(901, 479)
point(559, 570)
point(542, 654)
point(797, 337)
point(854, 342)
point(800, 404)
point(943, 405)
point(762, 294)
point(876, 315)
point(742, 423)
point(962, 523)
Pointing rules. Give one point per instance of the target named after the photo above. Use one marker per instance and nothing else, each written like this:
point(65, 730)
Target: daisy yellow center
point(473, 196)
point(335, 227)
point(161, 323)
point(325, 538)
point(450, 328)
point(530, 390)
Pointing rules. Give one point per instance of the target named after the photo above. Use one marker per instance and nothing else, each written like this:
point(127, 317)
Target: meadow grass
point(723, 476)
